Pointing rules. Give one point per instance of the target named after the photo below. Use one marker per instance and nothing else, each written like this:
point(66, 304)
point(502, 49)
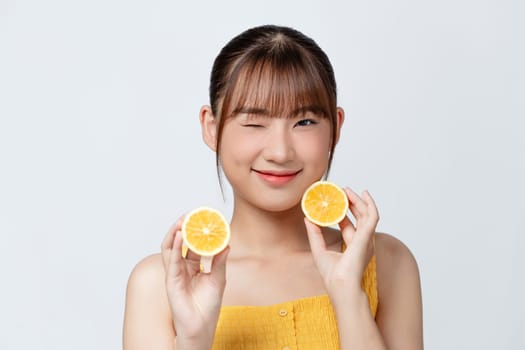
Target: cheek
point(237, 147)
point(315, 146)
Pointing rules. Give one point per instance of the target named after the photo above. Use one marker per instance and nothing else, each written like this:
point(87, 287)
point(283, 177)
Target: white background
point(100, 150)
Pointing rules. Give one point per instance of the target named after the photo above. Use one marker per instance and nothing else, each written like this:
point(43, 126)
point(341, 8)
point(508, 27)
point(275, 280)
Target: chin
point(278, 205)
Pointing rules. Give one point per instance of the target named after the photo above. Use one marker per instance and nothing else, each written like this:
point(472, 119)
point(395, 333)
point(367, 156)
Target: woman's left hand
point(342, 271)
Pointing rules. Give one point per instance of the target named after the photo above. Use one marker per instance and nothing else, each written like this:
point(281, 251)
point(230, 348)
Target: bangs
point(278, 85)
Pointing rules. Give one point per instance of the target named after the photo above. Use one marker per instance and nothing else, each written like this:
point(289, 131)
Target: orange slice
point(205, 232)
point(324, 203)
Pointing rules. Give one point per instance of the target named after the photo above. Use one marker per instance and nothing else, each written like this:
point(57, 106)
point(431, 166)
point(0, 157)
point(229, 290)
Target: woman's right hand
point(195, 297)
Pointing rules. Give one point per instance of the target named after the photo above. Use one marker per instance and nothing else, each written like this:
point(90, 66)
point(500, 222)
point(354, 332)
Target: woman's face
point(270, 160)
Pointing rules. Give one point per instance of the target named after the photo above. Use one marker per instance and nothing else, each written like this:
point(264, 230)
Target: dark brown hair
point(274, 68)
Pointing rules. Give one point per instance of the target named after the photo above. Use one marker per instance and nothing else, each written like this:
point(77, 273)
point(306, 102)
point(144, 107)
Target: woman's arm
point(399, 314)
point(398, 325)
point(147, 318)
point(170, 302)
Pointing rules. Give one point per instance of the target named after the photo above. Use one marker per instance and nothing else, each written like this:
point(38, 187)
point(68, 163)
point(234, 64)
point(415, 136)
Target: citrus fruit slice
point(324, 203)
point(205, 232)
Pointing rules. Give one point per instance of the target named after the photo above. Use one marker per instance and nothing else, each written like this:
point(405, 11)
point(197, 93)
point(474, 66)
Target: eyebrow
point(316, 109)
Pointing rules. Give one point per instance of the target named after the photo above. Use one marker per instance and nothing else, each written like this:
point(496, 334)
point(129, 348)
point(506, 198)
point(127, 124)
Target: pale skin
point(171, 305)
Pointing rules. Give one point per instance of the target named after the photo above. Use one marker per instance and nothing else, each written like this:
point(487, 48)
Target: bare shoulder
point(147, 273)
point(396, 266)
point(146, 284)
point(399, 314)
point(392, 253)
point(147, 316)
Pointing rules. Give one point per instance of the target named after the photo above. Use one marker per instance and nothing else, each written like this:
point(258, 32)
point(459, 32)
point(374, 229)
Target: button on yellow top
point(286, 348)
point(283, 312)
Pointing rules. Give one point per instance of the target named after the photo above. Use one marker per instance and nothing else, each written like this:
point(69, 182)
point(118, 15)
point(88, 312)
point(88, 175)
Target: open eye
point(306, 122)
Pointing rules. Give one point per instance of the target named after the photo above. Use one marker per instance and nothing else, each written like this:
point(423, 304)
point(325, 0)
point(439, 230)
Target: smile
point(276, 177)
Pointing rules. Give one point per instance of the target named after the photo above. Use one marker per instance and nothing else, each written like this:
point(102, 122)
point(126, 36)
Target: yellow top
point(302, 324)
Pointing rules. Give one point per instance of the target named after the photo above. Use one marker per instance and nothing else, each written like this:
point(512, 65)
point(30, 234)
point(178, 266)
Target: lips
point(277, 177)
point(278, 172)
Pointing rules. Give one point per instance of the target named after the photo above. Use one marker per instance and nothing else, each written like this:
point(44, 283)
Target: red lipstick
point(277, 177)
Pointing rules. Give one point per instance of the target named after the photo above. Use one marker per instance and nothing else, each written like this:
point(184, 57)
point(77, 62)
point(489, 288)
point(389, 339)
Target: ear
point(209, 127)
point(340, 121)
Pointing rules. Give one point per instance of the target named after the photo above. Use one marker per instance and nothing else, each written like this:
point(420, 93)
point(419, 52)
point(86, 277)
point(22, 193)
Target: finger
point(368, 223)
point(347, 229)
point(176, 248)
point(167, 242)
point(168, 239)
point(190, 255)
point(356, 205)
point(192, 262)
point(175, 268)
point(372, 207)
point(346, 224)
point(315, 237)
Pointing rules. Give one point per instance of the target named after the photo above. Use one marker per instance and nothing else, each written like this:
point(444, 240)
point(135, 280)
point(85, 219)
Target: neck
point(256, 232)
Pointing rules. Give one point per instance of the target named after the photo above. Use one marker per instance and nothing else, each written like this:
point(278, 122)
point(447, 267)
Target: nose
point(279, 146)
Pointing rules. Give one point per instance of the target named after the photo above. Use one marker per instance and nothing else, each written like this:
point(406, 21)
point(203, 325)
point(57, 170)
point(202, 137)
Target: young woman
point(283, 282)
